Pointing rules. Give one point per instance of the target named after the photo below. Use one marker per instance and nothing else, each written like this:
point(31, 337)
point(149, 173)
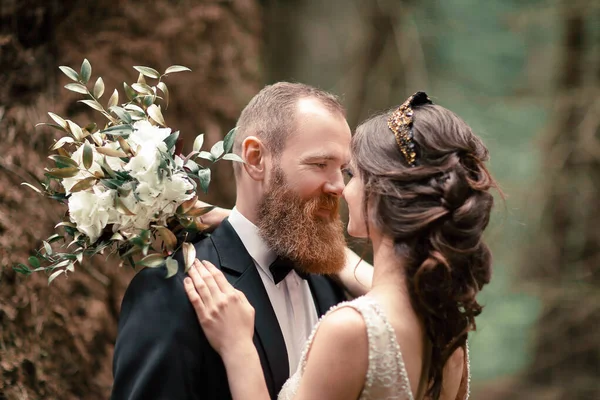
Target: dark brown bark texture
point(56, 342)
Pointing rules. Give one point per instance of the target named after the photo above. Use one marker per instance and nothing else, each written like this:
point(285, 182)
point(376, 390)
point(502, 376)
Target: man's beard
point(290, 226)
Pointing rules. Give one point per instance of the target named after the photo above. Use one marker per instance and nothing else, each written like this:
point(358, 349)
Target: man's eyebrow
point(322, 157)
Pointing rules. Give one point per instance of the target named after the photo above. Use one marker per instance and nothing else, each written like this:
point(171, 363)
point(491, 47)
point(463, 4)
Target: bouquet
point(126, 189)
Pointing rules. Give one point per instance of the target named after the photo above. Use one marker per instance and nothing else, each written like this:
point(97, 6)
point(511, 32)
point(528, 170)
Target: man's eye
point(320, 165)
point(348, 173)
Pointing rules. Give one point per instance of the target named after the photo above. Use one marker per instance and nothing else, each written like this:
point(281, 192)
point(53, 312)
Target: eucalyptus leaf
point(163, 88)
point(84, 184)
point(118, 130)
point(198, 142)
point(31, 186)
point(76, 87)
point(121, 114)
point(204, 178)
point(167, 237)
point(148, 100)
point(22, 269)
point(176, 68)
point(189, 255)
point(34, 261)
point(147, 71)
point(155, 113)
point(93, 103)
point(233, 157)
point(172, 267)
point(98, 88)
point(142, 88)
point(54, 275)
point(59, 120)
point(55, 238)
point(60, 128)
point(141, 79)
point(86, 71)
point(107, 151)
point(87, 156)
point(65, 223)
point(47, 248)
point(192, 167)
point(124, 145)
point(228, 140)
point(61, 142)
point(129, 92)
point(206, 155)
point(63, 161)
point(62, 172)
point(171, 140)
point(70, 73)
point(217, 149)
point(152, 261)
point(75, 130)
point(113, 100)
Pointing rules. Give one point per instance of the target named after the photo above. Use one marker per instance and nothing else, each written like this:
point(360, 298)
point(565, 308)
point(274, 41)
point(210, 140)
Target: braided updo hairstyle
point(436, 213)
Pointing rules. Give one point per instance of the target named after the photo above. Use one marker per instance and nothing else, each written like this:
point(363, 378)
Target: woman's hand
point(226, 316)
point(214, 217)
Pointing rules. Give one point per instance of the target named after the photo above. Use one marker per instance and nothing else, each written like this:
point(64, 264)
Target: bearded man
point(281, 238)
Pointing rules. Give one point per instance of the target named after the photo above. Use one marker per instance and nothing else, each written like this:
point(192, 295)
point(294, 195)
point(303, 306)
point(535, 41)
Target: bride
point(419, 190)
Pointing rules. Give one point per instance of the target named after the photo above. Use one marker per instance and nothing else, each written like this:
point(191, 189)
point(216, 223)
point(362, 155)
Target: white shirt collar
point(262, 255)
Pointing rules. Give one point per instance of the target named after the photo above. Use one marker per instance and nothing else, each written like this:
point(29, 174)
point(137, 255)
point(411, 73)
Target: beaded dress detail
point(386, 377)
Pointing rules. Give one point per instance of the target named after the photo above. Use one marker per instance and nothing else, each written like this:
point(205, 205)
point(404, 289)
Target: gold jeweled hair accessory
point(401, 123)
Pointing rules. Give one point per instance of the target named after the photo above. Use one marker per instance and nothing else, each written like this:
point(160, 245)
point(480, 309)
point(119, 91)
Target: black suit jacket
point(161, 351)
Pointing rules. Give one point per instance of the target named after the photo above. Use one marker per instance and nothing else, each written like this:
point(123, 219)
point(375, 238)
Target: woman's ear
point(254, 155)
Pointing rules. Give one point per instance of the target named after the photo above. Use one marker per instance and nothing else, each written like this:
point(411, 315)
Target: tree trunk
point(56, 342)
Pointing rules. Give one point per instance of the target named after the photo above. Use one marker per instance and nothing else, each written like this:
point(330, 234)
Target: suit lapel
point(240, 270)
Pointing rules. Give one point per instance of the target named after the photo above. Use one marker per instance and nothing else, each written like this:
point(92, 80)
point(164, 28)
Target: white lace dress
point(386, 377)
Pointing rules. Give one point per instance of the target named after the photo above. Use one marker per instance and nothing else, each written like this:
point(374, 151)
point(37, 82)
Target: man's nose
point(335, 185)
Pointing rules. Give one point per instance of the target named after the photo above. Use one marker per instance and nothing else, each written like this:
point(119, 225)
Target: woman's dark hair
point(436, 213)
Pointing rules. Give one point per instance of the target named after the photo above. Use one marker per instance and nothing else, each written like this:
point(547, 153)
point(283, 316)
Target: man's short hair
point(271, 114)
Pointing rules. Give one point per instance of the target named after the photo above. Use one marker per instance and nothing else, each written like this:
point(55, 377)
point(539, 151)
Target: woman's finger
point(194, 297)
point(210, 282)
point(200, 285)
point(219, 277)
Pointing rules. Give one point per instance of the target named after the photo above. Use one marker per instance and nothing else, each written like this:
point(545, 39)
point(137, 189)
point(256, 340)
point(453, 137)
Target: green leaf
point(204, 178)
point(152, 261)
point(228, 140)
point(22, 269)
point(192, 166)
point(189, 255)
point(63, 161)
point(47, 248)
point(87, 156)
point(118, 130)
point(206, 155)
point(147, 71)
point(155, 113)
point(98, 88)
point(75, 130)
point(113, 100)
point(61, 142)
point(129, 92)
point(172, 267)
point(233, 157)
point(54, 275)
point(31, 186)
point(86, 71)
point(167, 237)
point(107, 151)
point(148, 100)
point(55, 238)
point(121, 114)
point(70, 72)
point(84, 184)
point(92, 103)
point(176, 68)
point(142, 88)
point(34, 262)
point(65, 223)
point(59, 120)
point(171, 140)
point(76, 87)
point(62, 172)
point(163, 88)
point(198, 142)
point(217, 149)
point(199, 211)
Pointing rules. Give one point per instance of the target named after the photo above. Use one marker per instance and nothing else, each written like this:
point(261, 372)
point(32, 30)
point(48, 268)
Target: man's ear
point(254, 154)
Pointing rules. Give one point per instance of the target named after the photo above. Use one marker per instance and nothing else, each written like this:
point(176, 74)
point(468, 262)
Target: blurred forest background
point(525, 74)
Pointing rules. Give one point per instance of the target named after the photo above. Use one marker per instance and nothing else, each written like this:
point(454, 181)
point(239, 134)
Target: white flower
point(91, 211)
point(147, 135)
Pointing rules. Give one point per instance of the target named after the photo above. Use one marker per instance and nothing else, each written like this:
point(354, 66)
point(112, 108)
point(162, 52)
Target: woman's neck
point(388, 271)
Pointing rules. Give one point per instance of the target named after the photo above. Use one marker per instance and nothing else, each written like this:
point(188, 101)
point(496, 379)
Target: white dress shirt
point(291, 298)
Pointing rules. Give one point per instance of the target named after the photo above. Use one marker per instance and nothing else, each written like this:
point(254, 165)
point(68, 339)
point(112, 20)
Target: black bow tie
point(281, 267)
